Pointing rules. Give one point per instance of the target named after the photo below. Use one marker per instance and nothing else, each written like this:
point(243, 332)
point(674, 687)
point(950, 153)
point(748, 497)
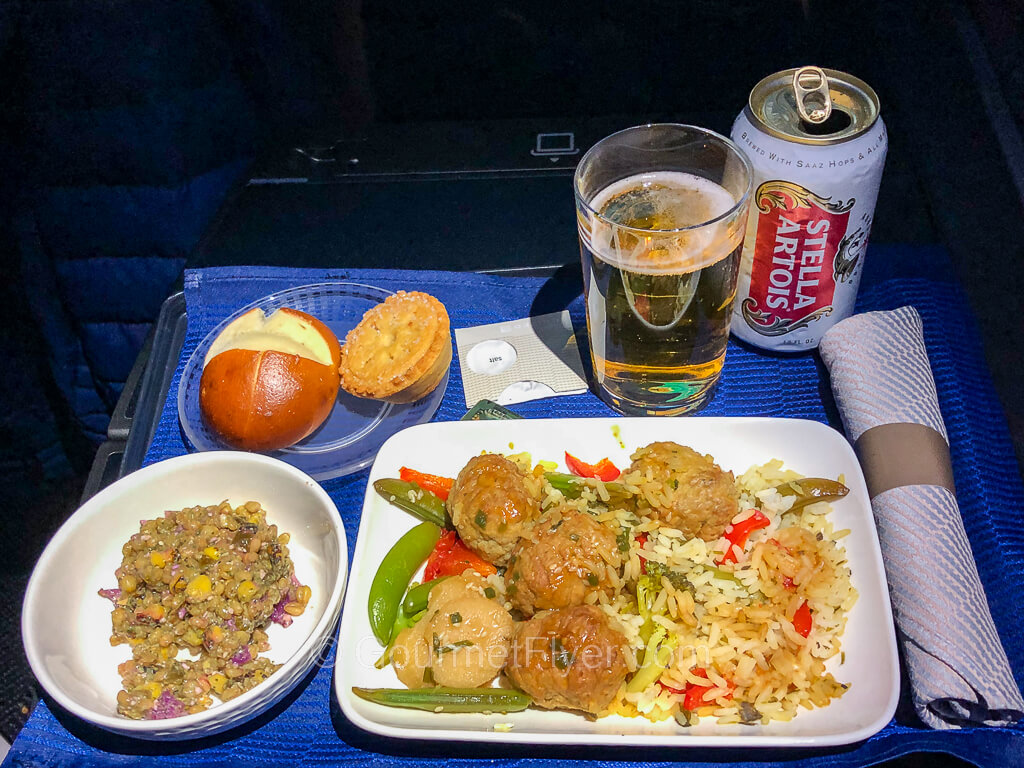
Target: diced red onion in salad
point(166, 706)
point(278, 616)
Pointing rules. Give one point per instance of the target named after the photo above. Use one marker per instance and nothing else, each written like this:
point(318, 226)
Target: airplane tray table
point(309, 728)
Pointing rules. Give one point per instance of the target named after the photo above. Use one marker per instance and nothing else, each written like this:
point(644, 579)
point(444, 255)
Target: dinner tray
point(309, 727)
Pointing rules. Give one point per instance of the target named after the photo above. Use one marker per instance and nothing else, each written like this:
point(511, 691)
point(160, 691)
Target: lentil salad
point(197, 590)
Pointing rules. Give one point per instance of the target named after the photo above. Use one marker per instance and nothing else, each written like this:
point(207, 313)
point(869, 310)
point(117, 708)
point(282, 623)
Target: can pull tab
point(810, 86)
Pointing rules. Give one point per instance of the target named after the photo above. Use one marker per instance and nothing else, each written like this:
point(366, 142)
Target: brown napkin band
point(894, 455)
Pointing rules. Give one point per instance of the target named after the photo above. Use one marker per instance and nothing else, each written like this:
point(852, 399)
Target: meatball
point(491, 507)
point(566, 555)
point(462, 641)
point(572, 658)
point(699, 498)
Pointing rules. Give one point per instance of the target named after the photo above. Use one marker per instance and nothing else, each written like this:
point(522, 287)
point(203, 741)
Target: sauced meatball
point(565, 556)
point(462, 641)
point(700, 498)
point(491, 506)
point(572, 658)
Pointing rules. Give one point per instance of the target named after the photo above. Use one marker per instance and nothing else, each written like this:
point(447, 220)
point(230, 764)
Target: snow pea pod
point(394, 574)
point(410, 610)
point(811, 490)
point(416, 598)
point(414, 500)
point(448, 699)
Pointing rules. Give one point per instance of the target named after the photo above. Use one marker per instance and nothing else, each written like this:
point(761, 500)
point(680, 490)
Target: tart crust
point(400, 350)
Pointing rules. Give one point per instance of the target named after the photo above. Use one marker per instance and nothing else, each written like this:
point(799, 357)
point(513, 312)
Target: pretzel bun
point(269, 380)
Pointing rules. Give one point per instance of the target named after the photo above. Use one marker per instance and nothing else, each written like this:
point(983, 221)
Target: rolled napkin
point(883, 385)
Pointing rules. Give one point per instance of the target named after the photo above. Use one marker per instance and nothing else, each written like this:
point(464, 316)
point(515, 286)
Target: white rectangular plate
point(869, 663)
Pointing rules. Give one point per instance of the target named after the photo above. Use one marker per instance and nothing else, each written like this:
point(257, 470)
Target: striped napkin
point(883, 385)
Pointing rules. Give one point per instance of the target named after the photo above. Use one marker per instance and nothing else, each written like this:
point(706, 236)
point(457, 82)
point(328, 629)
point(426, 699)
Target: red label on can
point(795, 266)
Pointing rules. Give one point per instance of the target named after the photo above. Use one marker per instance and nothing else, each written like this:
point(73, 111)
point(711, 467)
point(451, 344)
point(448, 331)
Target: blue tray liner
point(309, 728)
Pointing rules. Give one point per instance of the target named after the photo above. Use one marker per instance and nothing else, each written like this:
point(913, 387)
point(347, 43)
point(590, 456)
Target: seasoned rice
point(733, 625)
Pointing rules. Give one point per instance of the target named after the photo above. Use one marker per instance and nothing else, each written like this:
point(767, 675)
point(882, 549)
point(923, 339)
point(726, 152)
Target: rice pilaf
point(736, 630)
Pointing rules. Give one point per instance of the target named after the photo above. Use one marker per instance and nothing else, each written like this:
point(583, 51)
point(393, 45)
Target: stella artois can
point(817, 144)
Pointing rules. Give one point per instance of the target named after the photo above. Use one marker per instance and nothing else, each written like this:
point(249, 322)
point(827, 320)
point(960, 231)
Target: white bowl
point(65, 624)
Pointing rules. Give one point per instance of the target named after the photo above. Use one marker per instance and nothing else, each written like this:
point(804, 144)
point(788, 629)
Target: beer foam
point(696, 200)
point(715, 199)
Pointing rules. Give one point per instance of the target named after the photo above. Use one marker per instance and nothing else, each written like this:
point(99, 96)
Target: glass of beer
point(662, 211)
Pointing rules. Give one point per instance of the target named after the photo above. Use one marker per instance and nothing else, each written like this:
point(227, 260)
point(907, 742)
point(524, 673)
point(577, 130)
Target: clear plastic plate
point(350, 437)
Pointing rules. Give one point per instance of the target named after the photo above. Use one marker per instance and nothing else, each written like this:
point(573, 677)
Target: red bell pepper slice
point(802, 620)
point(451, 557)
point(694, 694)
point(641, 540)
point(604, 470)
point(437, 485)
point(670, 689)
point(738, 533)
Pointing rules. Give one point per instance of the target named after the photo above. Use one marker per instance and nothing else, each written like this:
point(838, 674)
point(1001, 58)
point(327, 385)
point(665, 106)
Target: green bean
point(393, 575)
point(416, 598)
point(572, 486)
point(448, 699)
point(719, 573)
point(811, 490)
point(414, 500)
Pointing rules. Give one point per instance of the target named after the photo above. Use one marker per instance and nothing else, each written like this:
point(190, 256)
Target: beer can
point(817, 144)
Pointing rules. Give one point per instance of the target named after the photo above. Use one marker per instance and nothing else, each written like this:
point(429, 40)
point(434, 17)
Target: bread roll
point(270, 380)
